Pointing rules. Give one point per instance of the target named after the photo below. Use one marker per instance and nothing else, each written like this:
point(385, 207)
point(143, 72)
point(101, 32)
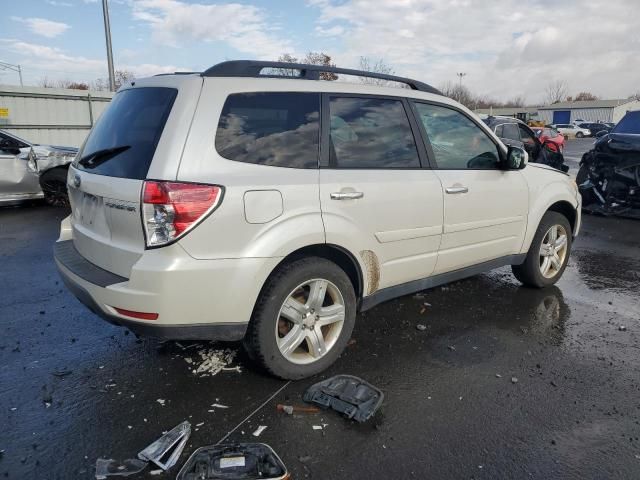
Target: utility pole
point(107, 34)
point(15, 68)
point(461, 75)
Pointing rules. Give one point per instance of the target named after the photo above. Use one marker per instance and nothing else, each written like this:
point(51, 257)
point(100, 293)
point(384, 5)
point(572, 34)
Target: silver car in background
point(30, 171)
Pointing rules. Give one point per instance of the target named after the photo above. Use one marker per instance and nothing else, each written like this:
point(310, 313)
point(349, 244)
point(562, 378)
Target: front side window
point(371, 133)
point(277, 128)
point(457, 142)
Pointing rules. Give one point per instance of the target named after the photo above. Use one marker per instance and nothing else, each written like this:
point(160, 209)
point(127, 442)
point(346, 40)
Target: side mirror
point(601, 133)
point(517, 158)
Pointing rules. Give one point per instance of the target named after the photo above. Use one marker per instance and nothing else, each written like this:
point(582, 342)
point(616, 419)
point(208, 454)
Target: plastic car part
point(242, 461)
point(351, 396)
point(108, 467)
point(168, 446)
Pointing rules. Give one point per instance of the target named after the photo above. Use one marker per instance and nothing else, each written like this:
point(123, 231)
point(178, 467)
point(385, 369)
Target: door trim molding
point(414, 286)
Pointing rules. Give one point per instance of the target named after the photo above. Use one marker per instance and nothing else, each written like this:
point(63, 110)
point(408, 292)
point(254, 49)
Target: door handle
point(454, 190)
point(346, 195)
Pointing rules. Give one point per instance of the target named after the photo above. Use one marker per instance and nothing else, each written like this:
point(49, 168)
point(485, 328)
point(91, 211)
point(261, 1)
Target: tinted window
point(371, 133)
point(131, 126)
point(499, 131)
point(630, 123)
point(457, 142)
point(510, 130)
point(526, 136)
point(278, 129)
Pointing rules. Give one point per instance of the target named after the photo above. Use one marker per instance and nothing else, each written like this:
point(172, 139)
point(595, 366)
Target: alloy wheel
point(553, 251)
point(310, 321)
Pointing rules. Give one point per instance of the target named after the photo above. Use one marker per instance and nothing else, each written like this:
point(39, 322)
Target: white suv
point(238, 205)
point(571, 130)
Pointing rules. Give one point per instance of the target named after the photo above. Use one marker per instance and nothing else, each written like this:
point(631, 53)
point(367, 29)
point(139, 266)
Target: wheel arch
point(334, 253)
point(565, 208)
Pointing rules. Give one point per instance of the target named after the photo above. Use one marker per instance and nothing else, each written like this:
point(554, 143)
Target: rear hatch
point(140, 135)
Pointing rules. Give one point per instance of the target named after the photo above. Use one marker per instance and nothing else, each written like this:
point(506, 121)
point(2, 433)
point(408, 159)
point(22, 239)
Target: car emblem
point(77, 181)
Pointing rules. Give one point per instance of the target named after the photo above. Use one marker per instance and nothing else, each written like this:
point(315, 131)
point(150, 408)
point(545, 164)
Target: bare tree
point(311, 58)
point(46, 83)
point(556, 91)
point(121, 77)
point(517, 101)
point(375, 66)
point(459, 93)
point(585, 96)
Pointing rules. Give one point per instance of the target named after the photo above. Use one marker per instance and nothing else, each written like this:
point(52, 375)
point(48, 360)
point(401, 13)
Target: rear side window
point(371, 133)
point(510, 130)
point(279, 129)
point(124, 140)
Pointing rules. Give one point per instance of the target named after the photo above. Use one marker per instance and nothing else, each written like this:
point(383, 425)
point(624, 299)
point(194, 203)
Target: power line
point(15, 68)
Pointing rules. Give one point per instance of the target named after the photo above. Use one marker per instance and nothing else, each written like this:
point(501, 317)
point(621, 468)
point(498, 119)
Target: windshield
point(630, 123)
point(134, 119)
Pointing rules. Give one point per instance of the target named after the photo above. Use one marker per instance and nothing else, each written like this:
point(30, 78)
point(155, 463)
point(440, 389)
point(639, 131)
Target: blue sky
point(507, 48)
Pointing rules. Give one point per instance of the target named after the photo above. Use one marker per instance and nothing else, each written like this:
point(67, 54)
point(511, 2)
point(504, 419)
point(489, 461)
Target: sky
point(507, 48)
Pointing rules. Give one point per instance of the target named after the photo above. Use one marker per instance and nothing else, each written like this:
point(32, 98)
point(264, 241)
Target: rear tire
point(54, 186)
point(303, 319)
point(549, 253)
point(579, 135)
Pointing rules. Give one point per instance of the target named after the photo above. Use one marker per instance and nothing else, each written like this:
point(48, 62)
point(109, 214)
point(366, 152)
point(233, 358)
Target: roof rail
point(252, 68)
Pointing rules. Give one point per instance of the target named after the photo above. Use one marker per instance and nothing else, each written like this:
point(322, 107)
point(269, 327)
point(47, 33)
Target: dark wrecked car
point(516, 133)
point(609, 175)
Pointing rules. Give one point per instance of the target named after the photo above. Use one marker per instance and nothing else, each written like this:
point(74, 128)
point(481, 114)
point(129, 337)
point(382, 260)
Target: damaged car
point(609, 175)
point(516, 133)
point(29, 171)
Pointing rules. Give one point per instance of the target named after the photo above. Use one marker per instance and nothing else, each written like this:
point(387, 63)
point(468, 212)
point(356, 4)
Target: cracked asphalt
point(504, 381)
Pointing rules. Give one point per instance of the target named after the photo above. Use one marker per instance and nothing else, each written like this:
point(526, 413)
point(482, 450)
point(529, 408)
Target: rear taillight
point(170, 209)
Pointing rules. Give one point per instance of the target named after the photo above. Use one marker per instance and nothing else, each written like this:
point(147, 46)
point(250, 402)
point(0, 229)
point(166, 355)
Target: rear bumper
point(194, 299)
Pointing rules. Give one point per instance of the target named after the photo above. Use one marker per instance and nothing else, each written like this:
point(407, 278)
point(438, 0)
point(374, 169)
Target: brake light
point(134, 314)
point(171, 209)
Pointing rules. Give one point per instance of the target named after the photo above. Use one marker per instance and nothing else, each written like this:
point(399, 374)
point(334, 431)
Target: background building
point(54, 116)
point(589, 111)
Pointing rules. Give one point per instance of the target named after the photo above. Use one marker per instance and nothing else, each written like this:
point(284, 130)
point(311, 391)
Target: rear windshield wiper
point(98, 157)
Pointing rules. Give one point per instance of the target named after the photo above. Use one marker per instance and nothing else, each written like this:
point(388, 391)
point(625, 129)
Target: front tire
point(303, 319)
point(549, 252)
point(579, 135)
point(54, 186)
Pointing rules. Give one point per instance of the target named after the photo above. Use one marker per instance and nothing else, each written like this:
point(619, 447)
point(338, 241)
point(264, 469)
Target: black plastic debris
point(346, 394)
point(241, 461)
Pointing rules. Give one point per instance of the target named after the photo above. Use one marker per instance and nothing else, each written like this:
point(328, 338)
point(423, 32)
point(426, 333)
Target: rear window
point(124, 140)
point(630, 123)
point(279, 129)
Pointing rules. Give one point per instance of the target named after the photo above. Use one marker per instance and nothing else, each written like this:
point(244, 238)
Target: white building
point(589, 111)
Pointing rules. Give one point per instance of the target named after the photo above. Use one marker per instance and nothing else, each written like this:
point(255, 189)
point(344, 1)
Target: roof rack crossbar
point(253, 68)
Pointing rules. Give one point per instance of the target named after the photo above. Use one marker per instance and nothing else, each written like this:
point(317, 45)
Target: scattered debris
point(514, 380)
point(242, 461)
point(213, 361)
point(199, 424)
point(351, 396)
point(259, 430)
point(218, 405)
point(421, 327)
point(161, 401)
point(622, 328)
point(452, 348)
point(351, 342)
point(112, 468)
point(170, 444)
point(156, 472)
point(317, 427)
point(291, 409)
point(498, 375)
point(61, 373)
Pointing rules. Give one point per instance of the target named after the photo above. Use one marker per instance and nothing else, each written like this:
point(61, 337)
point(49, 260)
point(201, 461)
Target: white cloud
point(42, 26)
point(56, 3)
point(54, 63)
point(243, 27)
point(507, 48)
point(334, 31)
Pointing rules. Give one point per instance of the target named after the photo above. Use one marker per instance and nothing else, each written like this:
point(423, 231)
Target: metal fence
point(54, 116)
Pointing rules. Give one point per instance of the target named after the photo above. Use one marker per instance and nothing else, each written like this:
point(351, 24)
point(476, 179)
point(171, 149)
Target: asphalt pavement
point(574, 149)
point(503, 381)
